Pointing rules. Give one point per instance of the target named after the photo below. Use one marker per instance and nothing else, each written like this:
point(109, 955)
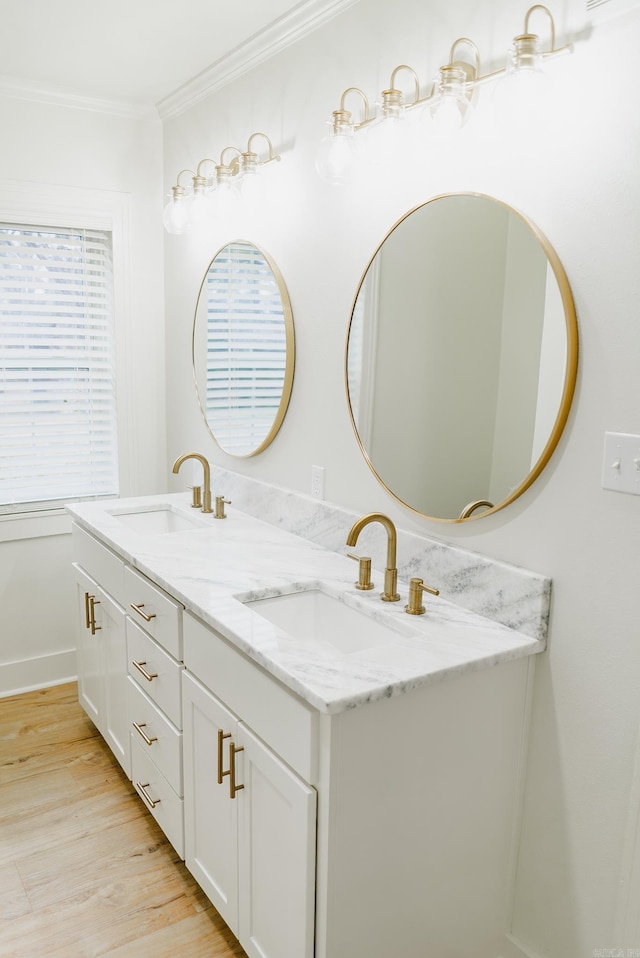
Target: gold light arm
point(471, 507)
point(472, 70)
point(179, 190)
point(416, 82)
point(272, 157)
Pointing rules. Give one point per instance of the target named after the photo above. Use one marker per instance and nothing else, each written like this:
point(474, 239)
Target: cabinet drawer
point(165, 749)
point(101, 563)
point(154, 611)
point(276, 715)
point(163, 686)
point(158, 796)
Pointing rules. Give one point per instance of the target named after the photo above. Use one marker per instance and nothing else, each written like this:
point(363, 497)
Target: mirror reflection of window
point(243, 349)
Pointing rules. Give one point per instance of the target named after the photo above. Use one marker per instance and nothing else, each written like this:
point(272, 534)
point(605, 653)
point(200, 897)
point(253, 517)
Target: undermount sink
point(156, 521)
point(319, 617)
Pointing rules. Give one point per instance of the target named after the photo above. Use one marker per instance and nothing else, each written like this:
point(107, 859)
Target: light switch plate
point(621, 465)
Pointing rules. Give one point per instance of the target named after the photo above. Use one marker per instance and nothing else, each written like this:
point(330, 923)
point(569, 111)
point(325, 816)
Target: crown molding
point(286, 30)
point(56, 96)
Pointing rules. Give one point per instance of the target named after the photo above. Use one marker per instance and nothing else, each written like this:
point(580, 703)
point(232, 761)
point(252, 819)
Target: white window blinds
point(246, 348)
point(57, 367)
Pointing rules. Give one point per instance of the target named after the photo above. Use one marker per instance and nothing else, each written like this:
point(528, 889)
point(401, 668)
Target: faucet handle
point(196, 500)
point(364, 582)
point(416, 588)
point(220, 504)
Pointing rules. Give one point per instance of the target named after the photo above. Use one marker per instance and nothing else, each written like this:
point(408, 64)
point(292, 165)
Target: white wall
point(580, 185)
point(65, 154)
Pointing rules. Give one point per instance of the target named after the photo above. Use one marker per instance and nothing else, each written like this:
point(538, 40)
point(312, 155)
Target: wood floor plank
point(85, 872)
point(204, 935)
point(14, 900)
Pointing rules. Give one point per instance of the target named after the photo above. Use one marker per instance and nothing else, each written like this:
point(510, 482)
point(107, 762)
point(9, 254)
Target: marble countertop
point(213, 567)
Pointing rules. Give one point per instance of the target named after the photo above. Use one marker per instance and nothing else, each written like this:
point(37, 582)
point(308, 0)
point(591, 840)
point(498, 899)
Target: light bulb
point(336, 159)
point(251, 186)
point(523, 91)
point(450, 108)
point(199, 211)
point(175, 216)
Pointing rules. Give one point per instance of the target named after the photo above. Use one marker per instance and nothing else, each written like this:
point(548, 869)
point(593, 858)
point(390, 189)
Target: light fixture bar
point(186, 201)
point(455, 82)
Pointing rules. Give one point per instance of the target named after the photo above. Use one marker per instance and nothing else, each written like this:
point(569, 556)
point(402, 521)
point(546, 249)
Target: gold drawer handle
point(233, 751)
point(139, 608)
point(149, 676)
point(151, 802)
point(87, 617)
point(222, 735)
point(138, 728)
point(92, 603)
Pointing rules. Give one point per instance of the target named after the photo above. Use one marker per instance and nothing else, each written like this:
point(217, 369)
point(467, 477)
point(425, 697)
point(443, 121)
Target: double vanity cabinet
point(374, 819)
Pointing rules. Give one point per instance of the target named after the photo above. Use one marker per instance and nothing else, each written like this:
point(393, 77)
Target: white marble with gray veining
point(214, 567)
point(505, 593)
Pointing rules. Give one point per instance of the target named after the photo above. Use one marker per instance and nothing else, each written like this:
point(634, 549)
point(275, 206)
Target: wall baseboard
point(41, 673)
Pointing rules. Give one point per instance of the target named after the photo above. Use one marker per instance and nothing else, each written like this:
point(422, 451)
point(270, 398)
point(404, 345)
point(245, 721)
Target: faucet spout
point(391, 573)
point(206, 481)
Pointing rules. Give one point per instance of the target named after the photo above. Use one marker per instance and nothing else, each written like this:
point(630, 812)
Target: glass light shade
point(336, 159)
point(522, 93)
point(224, 196)
point(388, 143)
point(251, 185)
point(451, 108)
point(449, 113)
point(200, 210)
point(175, 216)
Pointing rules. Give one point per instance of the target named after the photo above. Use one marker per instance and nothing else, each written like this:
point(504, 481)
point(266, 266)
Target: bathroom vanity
point(341, 778)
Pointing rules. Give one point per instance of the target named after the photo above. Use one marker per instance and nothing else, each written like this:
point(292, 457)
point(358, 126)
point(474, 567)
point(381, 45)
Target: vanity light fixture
point(448, 103)
point(192, 205)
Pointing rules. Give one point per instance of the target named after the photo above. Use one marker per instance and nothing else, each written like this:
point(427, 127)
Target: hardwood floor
point(84, 869)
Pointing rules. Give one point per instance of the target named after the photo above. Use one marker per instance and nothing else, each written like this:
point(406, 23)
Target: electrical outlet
point(317, 481)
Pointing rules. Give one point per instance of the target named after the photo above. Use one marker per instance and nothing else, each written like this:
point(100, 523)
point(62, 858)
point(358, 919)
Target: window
point(58, 437)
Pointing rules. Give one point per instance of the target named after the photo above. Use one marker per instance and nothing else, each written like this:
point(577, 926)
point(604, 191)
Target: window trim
point(45, 205)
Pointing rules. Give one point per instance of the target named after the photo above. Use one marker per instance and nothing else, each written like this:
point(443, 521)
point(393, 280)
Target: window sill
point(34, 525)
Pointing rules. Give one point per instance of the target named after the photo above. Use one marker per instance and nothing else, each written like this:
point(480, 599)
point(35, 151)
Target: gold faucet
point(391, 573)
point(206, 492)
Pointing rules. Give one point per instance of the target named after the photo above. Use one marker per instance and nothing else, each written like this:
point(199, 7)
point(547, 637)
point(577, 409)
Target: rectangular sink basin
point(321, 618)
point(156, 521)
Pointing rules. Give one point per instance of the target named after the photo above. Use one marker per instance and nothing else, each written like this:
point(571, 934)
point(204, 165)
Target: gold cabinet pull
point(139, 608)
point(151, 802)
point(87, 618)
point(149, 676)
point(93, 602)
point(222, 735)
point(138, 728)
point(233, 751)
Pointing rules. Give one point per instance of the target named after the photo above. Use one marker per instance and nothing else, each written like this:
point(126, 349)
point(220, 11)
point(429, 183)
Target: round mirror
point(243, 349)
point(461, 357)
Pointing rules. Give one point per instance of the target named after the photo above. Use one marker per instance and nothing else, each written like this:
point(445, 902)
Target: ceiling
point(137, 51)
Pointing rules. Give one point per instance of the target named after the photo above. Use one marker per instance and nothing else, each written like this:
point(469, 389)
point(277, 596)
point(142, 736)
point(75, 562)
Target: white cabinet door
point(277, 842)
point(211, 818)
point(89, 653)
point(253, 853)
point(102, 665)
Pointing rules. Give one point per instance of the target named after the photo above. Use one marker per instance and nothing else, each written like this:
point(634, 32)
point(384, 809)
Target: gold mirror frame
point(287, 318)
point(570, 376)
